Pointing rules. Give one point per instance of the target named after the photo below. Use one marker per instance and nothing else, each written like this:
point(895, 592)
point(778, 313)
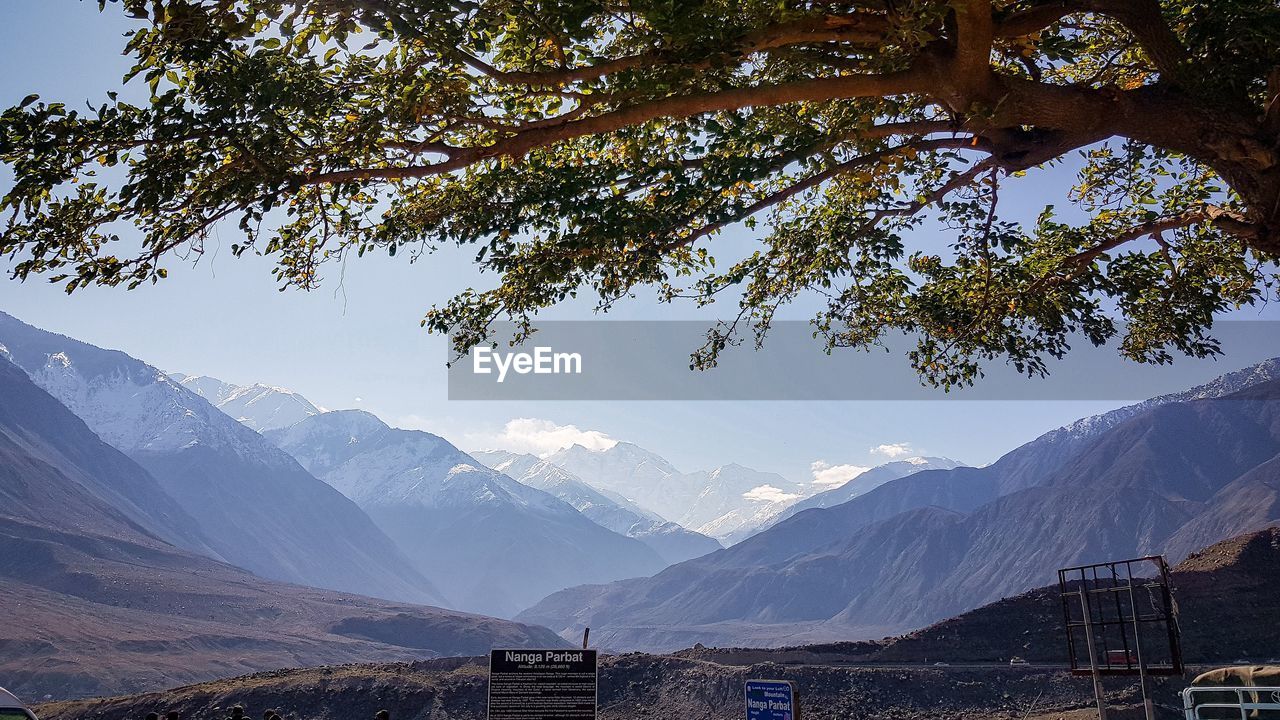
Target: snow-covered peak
point(261, 407)
point(513, 464)
point(630, 452)
point(131, 405)
point(1220, 386)
point(209, 388)
point(324, 441)
point(733, 496)
point(929, 462)
point(621, 457)
point(379, 466)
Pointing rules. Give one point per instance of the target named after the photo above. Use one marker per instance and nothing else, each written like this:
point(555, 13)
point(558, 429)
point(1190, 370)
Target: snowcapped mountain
point(209, 388)
point(629, 471)
point(862, 484)
point(672, 542)
point(261, 407)
point(254, 504)
point(733, 499)
point(724, 503)
point(496, 545)
point(55, 471)
point(109, 587)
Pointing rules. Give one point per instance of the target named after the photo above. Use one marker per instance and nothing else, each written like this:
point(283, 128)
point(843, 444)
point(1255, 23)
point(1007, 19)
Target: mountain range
point(719, 503)
point(245, 501)
point(1167, 476)
point(672, 542)
point(114, 472)
point(494, 545)
point(100, 596)
point(862, 484)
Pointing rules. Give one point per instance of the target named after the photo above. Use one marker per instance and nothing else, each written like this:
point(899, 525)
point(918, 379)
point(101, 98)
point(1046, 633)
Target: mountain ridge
point(255, 506)
point(98, 601)
point(494, 543)
point(671, 541)
point(258, 406)
point(936, 543)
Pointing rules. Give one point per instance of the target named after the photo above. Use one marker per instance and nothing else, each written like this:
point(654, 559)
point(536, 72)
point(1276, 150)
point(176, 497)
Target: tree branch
point(673, 107)
point(861, 27)
point(1142, 18)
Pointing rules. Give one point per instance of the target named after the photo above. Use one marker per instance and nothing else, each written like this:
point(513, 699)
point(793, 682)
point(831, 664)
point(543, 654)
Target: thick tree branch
point(675, 107)
point(1142, 18)
point(864, 28)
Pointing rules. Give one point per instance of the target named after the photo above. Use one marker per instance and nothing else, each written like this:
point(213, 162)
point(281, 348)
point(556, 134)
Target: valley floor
point(635, 686)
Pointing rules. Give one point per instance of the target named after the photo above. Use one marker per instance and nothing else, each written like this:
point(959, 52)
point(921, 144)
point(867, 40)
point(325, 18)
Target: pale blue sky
point(356, 342)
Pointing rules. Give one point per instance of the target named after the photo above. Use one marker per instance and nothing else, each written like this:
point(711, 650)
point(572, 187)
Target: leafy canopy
point(590, 146)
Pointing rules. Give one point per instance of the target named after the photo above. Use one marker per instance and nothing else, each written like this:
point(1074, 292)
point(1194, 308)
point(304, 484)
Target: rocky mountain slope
point(1225, 595)
point(261, 407)
point(96, 602)
point(1169, 478)
point(92, 615)
point(672, 542)
point(252, 504)
point(1225, 592)
point(55, 471)
point(631, 686)
point(494, 544)
point(1227, 603)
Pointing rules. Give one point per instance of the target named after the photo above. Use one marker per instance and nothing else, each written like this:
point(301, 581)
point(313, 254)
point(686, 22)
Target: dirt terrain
point(1226, 594)
point(631, 686)
point(84, 616)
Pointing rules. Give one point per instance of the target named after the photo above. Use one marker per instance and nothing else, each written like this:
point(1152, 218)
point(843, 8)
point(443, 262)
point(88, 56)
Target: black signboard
point(542, 685)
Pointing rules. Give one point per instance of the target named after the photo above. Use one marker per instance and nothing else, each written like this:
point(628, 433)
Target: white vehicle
point(12, 709)
point(1016, 661)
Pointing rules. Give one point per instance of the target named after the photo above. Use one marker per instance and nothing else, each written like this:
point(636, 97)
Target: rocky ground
point(632, 686)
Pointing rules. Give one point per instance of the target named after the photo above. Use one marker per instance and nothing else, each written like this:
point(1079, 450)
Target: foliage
point(584, 146)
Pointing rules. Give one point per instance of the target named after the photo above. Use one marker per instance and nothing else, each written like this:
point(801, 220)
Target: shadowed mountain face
point(252, 504)
point(672, 542)
point(1169, 478)
point(96, 602)
point(92, 615)
point(54, 470)
point(494, 544)
point(1227, 605)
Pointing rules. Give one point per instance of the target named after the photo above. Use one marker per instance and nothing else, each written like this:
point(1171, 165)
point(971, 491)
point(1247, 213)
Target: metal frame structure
point(1106, 607)
point(1102, 600)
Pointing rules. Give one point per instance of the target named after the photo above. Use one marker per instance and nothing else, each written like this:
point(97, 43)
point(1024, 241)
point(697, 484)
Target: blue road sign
point(771, 700)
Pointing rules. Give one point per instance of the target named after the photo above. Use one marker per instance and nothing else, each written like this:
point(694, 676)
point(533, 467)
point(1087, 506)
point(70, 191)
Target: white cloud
point(769, 494)
point(892, 450)
point(828, 475)
point(542, 437)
